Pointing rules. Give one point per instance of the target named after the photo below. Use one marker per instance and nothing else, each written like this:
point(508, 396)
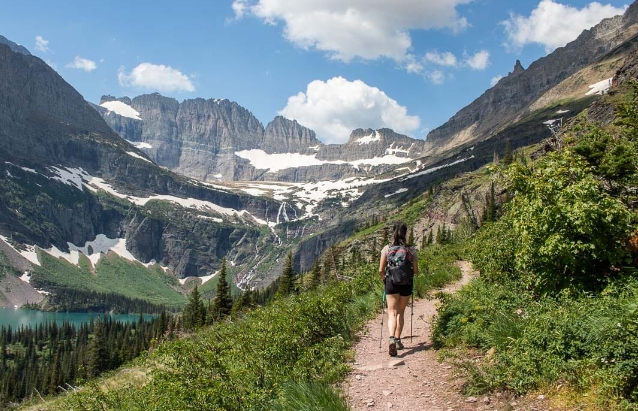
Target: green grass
point(286, 356)
point(112, 274)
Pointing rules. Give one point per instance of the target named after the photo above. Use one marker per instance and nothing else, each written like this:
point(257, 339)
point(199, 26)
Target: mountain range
point(181, 186)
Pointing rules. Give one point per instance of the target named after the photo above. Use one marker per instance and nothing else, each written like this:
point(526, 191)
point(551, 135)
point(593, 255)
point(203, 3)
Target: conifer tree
point(430, 237)
point(223, 301)
point(98, 355)
point(315, 276)
point(287, 279)
point(508, 158)
point(411, 236)
point(194, 312)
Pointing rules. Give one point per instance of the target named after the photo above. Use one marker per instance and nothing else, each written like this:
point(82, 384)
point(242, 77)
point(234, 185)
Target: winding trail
point(414, 380)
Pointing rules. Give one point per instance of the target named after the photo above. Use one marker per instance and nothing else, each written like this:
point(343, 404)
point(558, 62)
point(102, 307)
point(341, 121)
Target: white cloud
point(554, 25)
point(41, 44)
point(436, 76)
point(155, 77)
point(239, 7)
point(82, 64)
point(495, 80)
point(479, 61)
point(441, 59)
point(336, 107)
point(346, 29)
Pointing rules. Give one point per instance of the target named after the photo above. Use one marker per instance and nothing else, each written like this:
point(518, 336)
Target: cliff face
point(199, 138)
point(512, 95)
point(288, 136)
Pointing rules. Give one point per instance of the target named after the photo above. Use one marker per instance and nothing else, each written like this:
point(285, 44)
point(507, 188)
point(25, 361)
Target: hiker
point(397, 269)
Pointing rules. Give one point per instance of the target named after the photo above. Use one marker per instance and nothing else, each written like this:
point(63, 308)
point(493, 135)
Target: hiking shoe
point(399, 344)
point(392, 350)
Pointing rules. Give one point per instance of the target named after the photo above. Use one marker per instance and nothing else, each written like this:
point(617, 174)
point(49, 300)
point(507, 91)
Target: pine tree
point(508, 158)
point(315, 276)
point(287, 279)
point(97, 352)
point(430, 237)
point(411, 236)
point(223, 302)
point(194, 312)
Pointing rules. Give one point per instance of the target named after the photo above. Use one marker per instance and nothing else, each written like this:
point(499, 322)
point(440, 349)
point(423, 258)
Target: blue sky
point(333, 65)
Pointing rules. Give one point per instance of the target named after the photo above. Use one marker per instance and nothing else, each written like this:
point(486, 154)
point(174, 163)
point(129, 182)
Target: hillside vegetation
point(556, 307)
point(284, 356)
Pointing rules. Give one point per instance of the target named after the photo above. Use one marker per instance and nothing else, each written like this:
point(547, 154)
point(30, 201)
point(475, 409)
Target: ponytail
point(400, 231)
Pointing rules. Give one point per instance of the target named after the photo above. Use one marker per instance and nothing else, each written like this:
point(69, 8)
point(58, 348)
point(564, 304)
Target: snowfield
point(600, 88)
point(277, 162)
point(122, 109)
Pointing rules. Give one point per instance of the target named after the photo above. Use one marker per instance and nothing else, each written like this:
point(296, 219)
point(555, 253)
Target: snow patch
point(29, 252)
point(562, 111)
point(70, 176)
point(122, 109)
point(95, 249)
point(139, 144)
point(393, 150)
point(133, 154)
point(26, 277)
point(399, 191)
point(257, 192)
point(433, 169)
point(276, 162)
point(368, 139)
point(215, 219)
point(206, 278)
point(600, 88)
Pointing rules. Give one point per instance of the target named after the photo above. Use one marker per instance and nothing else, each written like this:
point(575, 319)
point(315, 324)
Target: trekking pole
point(382, 313)
point(411, 317)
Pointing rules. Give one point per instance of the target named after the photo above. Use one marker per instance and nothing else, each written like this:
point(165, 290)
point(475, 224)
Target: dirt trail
point(414, 380)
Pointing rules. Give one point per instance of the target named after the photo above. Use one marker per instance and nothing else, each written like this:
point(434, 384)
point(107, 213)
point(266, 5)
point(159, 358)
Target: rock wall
point(509, 98)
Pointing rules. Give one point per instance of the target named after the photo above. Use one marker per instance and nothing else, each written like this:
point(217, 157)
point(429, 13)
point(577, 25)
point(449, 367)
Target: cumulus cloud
point(495, 80)
point(82, 64)
point(553, 25)
point(478, 61)
point(347, 29)
point(41, 44)
point(441, 59)
point(155, 77)
point(436, 76)
point(336, 107)
point(239, 7)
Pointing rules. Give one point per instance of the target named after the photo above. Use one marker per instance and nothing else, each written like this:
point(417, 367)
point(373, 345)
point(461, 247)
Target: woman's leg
point(402, 302)
point(393, 307)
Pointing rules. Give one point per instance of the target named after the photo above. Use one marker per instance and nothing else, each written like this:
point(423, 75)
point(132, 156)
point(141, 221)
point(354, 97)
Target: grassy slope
point(112, 274)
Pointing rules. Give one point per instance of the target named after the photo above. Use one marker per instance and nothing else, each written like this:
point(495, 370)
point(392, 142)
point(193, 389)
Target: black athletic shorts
point(402, 290)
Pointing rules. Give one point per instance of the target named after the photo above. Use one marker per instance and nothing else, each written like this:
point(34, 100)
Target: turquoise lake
point(18, 317)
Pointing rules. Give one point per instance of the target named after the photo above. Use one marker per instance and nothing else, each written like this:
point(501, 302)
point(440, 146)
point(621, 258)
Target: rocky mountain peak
point(518, 68)
point(14, 47)
point(287, 136)
point(513, 95)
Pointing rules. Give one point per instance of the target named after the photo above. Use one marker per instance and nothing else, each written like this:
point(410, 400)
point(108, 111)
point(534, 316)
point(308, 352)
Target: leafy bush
point(557, 300)
point(570, 231)
point(589, 341)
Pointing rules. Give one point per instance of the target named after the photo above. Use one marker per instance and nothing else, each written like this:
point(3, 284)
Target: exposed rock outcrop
point(510, 97)
point(200, 138)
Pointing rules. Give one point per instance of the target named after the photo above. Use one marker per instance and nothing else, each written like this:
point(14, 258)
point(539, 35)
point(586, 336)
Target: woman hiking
point(397, 269)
